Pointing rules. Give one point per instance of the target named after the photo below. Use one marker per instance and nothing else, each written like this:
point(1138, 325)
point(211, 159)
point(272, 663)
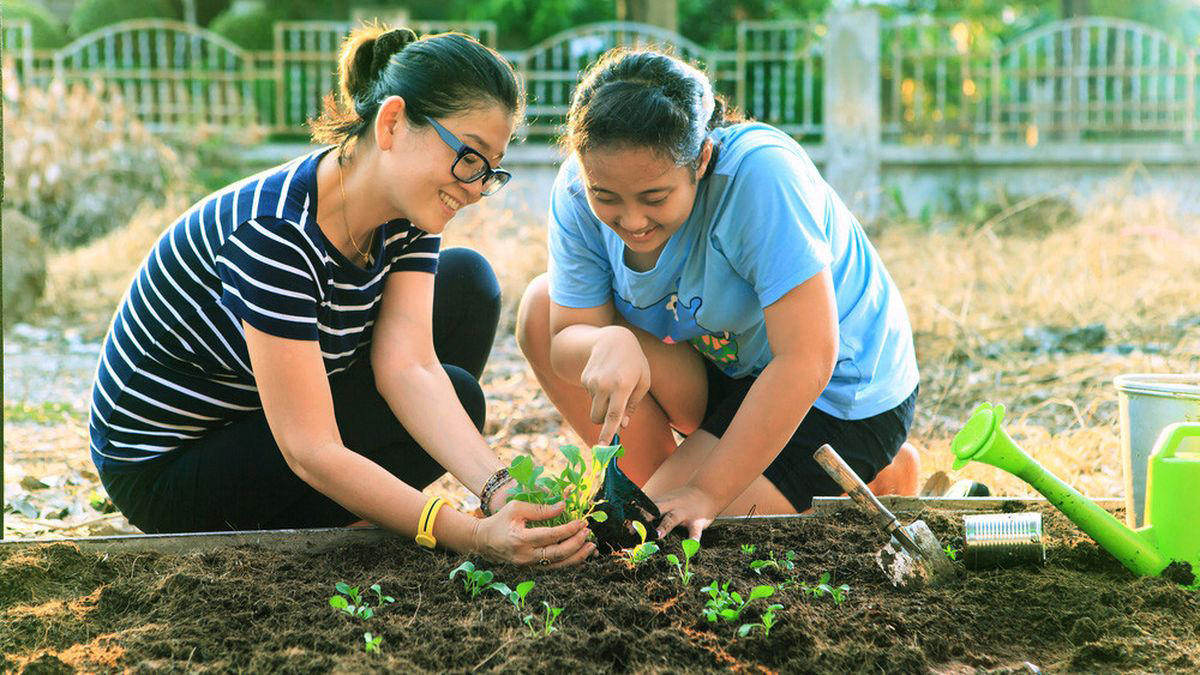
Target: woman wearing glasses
point(705, 280)
point(295, 352)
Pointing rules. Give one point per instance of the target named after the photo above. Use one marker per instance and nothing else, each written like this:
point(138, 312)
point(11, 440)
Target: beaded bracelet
point(489, 489)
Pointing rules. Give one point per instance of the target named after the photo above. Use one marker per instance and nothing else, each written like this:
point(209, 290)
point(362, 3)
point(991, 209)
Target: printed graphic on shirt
point(674, 321)
point(720, 348)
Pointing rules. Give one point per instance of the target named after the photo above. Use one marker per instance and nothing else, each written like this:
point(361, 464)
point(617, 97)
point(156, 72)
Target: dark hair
point(437, 75)
point(649, 99)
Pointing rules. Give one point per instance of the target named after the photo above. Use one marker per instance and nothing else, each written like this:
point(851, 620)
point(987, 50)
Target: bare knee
point(533, 323)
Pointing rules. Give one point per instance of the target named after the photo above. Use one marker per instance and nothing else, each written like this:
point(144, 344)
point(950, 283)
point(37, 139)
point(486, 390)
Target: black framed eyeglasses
point(470, 166)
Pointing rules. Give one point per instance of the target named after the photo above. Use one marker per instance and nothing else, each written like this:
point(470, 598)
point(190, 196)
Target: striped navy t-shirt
point(174, 365)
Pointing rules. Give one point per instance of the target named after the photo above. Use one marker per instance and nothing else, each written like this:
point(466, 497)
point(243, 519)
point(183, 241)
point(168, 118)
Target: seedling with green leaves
point(838, 593)
point(641, 553)
point(951, 552)
point(372, 642)
point(690, 546)
point(729, 605)
point(749, 549)
point(475, 581)
point(548, 619)
point(576, 484)
point(785, 564)
point(765, 623)
point(353, 602)
point(516, 597)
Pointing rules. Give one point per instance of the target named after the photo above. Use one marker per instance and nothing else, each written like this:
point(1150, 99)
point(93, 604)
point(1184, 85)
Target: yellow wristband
point(425, 525)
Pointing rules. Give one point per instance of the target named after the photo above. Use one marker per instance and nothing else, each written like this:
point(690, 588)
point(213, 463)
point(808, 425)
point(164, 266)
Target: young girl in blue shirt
point(705, 281)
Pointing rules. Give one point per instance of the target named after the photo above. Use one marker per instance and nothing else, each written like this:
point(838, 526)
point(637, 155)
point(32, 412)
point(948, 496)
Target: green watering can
point(1172, 530)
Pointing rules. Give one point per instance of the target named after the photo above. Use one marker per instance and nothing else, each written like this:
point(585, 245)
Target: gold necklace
point(366, 256)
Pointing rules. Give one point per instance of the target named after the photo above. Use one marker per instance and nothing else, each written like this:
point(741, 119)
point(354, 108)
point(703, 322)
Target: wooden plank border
point(325, 539)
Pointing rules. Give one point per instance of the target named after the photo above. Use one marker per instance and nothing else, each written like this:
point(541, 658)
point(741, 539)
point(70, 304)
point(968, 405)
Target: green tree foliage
point(48, 33)
point(523, 23)
point(206, 10)
point(90, 15)
point(713, 23)
point(249, 26)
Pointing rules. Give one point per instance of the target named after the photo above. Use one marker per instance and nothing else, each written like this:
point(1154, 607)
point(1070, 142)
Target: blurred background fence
point(942, 80)
point(900, 91)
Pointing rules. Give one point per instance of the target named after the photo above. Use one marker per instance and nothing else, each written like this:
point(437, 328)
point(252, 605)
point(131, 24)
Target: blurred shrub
point(48, 33)
point(249, 26)
point(206, 10)
point(79, 163)
point(90, 15)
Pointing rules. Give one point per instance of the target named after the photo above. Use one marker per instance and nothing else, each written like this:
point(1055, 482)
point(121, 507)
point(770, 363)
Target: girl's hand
point(617, 377)
point(687, 506)
point(504, 537)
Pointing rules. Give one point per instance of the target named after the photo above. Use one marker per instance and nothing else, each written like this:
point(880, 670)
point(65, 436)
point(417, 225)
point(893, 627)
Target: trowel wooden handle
point(841, 472)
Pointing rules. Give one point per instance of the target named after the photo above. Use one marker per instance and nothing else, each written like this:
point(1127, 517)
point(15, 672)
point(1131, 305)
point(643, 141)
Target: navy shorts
point(868, 445)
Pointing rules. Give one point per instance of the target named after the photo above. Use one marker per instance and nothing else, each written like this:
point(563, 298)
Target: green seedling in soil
point(728, 605)
point(838, 593)
point(576, 484)
point(749, 549)
point(641, 553)
point(517, 597)
point(547, 623)
point(690, 546)
point(378, 591)
point(372, 642)
point(765, 623)
point(785, 564)
point(951, 552)
point(474, 581)
point(357, 603)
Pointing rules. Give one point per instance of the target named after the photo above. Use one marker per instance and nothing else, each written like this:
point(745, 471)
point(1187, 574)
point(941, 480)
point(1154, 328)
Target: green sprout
point(749, 549)
point(765, 623)
point(516, 597)
point(356, 605)
point(641, 553)
point(785, 564)
point(576, 484)
point(838, 593)
point(690, 546)
point(729, 605)
point(474, 581)
point(548, 621)
point(951, 552)
point(378, 591)
point(372, 642)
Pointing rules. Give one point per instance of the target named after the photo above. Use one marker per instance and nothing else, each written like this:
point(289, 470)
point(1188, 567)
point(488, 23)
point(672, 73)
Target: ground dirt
point(256, 610)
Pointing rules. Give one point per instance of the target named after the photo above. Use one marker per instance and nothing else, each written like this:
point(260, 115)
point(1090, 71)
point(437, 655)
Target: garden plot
point(263, 607)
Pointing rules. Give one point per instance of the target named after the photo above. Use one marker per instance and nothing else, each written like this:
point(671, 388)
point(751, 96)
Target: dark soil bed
point(254, 609)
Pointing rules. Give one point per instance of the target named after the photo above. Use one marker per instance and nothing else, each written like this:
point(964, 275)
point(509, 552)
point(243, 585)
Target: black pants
point(236, 477)
point(868, 445)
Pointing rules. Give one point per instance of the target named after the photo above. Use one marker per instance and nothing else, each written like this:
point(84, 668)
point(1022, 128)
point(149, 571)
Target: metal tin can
point(1003, 540)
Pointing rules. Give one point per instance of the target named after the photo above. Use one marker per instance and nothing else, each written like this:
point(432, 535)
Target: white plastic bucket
point(1148, 404)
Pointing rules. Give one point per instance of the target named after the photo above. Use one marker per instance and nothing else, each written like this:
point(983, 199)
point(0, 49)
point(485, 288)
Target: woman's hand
point(617, 377)
point(688, 506)
point(504, 537)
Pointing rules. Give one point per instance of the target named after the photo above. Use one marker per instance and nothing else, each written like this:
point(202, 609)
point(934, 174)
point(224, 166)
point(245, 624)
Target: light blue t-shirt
point(763, 223)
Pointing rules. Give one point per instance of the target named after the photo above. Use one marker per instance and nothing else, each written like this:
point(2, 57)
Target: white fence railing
point(941, 81)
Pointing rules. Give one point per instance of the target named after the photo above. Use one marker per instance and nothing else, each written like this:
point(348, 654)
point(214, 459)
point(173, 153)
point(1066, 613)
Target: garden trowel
point(913, 558)
point(623, 502)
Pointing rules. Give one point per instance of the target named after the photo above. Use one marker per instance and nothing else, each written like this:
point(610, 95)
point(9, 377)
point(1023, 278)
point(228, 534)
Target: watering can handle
point(854, 486)
point(1172, 436)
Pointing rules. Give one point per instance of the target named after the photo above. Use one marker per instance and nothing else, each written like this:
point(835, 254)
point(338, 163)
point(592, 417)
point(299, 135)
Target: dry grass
point(1128, 263)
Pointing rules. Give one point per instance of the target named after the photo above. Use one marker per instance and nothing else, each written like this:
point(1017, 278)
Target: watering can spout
point(982, 439)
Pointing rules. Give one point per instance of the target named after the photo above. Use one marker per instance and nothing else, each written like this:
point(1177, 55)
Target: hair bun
point(387, 45)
